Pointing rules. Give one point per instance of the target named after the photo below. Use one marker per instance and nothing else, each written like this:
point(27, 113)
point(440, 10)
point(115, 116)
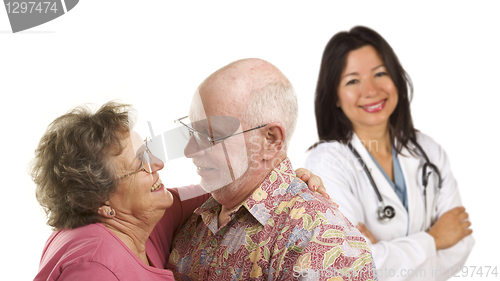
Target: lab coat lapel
point(411, 167)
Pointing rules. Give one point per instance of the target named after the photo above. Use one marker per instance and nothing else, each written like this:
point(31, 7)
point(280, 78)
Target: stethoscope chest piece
point(385, 213)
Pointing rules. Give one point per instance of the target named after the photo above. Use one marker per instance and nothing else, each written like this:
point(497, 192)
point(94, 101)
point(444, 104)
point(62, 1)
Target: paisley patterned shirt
point(283, 231)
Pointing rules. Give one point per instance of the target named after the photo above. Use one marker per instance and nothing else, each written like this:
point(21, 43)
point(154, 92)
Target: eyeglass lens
point(221, 126)
point(188, 132)
point(146, 158)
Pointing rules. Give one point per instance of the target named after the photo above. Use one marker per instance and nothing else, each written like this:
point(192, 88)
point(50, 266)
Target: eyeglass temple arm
point(189, 128)
point(179, 120)
point(240, 133)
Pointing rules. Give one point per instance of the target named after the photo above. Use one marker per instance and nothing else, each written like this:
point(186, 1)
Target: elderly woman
point(105, 201)
point(100, 188)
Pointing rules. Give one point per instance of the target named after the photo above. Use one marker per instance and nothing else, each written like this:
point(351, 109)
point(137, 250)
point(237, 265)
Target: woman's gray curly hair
point(72, 167)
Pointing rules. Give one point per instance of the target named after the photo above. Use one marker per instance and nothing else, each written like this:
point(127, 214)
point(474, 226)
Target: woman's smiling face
point(367, 94)
point(141, 194)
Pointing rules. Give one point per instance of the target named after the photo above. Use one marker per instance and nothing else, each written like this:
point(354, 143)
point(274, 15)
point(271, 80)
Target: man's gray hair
point(274, 101)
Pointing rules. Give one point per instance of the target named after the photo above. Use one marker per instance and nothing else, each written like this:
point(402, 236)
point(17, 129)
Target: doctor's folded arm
point(392, 181)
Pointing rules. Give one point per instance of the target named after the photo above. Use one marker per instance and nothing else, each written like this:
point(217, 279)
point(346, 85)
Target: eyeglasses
point(145, 156)
point(206, 142)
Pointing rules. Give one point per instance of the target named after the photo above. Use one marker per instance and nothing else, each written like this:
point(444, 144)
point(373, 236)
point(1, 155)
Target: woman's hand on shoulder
point(314, 183)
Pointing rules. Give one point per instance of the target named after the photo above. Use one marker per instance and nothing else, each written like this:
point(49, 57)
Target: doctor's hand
point(362, 228)
point(314, 183)
point(450, 228)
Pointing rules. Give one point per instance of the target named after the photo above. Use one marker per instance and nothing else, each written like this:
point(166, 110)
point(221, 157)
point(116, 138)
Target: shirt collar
point(276, 184)
point(210, 205)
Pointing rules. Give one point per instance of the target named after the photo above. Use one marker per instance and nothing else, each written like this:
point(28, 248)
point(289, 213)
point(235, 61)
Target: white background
point(154, 54)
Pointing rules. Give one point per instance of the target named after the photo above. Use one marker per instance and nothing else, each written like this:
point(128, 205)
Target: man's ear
point(106, 211)
point(274, 140)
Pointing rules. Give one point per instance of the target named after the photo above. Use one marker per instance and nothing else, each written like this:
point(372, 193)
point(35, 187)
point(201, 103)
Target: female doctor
point(391, 181)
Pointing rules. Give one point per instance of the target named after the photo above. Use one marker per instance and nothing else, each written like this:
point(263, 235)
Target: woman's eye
point(351, 82)
point(382, 73)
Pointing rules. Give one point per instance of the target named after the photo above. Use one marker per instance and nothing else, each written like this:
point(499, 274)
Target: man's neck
point(230, 197)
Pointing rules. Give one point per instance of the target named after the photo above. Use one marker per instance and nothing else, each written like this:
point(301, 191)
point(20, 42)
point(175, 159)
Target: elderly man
point(261, 221)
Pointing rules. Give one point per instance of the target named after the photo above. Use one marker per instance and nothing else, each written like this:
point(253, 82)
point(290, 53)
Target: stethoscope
point(386, 212)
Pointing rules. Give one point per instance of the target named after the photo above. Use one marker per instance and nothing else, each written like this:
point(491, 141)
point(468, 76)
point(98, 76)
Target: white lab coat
point(404, 250)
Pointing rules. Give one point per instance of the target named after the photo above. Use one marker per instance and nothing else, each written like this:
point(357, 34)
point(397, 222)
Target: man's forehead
point(197, 110)
point(221, 101)
point(205, 116)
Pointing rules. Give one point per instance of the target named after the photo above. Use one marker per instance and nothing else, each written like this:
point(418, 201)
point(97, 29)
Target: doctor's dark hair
point(332, 123)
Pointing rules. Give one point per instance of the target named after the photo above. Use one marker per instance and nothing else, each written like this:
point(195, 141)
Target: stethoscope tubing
point(425, 177)
point(365, 168)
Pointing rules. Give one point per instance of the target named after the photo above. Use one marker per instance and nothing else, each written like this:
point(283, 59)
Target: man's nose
point(193, 149)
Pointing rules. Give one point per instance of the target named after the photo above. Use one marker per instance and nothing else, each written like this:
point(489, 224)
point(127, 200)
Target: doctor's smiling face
point(366, 92)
